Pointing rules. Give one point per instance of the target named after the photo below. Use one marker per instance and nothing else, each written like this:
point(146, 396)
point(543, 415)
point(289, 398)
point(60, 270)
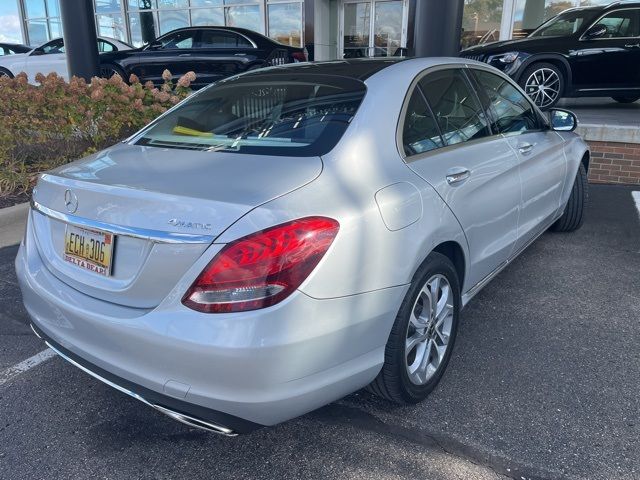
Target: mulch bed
point(10, 200)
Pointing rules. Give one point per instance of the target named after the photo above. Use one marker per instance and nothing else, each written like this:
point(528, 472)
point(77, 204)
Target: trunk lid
point(165, 207)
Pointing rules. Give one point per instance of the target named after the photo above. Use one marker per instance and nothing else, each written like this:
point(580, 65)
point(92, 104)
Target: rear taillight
point(263, 268)
point(302, 56)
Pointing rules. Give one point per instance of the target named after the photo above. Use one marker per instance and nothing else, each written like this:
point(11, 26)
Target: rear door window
point(267, 114)
point(455, 106)
point(420, 132)
point(221, 39)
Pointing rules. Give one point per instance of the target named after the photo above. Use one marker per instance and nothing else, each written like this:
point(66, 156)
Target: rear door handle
point(525, 148)
point(457, 175)
point(184, 55)
point(632, 45)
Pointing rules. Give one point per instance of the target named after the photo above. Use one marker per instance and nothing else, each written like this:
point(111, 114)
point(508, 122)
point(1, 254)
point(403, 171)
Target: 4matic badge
point(184, 224)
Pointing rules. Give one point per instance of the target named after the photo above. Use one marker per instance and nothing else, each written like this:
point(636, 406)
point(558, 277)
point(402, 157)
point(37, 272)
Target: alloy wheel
point(543, 86)
point(429, 330)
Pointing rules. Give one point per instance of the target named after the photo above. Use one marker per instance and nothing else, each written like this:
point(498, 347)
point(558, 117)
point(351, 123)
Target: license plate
point(89, 249)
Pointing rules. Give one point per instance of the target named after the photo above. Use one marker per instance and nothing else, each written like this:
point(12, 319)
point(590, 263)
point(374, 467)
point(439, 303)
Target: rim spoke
point(412, 342)
point(434, 289)
point(423, 369)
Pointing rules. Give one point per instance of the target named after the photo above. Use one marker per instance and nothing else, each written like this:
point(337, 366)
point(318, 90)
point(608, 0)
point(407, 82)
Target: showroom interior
point(329, 29)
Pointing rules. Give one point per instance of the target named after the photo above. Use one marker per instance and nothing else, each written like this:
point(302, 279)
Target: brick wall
point(613, 162)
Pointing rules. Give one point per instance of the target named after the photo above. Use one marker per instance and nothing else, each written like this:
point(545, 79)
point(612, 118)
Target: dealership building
point(328, 28)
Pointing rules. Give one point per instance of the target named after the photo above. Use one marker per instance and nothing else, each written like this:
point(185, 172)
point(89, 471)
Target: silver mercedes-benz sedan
point(291, 235)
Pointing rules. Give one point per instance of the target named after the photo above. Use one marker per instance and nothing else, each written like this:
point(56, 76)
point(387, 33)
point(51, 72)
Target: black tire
point(393, 382)
point(108, 70)
point(529, 72)
point(5, 73)
point(573, 215)
point(626, 99)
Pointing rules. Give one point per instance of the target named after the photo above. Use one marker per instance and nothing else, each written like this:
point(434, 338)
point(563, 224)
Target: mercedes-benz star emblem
point(70, 201)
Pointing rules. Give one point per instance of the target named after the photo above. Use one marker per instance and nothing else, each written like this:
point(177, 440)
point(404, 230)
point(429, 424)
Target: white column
point(506, 25)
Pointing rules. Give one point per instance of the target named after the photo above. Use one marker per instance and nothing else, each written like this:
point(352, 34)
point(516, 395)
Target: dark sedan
point(212, 53)
point(13, 48)
point(583, 52)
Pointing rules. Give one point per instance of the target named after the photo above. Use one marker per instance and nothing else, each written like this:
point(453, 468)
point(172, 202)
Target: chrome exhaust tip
point(196, 422)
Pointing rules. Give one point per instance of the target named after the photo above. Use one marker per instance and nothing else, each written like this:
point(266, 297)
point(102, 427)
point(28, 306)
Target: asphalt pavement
point(543, 383)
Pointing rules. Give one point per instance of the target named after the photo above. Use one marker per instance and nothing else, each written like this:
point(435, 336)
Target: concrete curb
point(11, 215)
point(609, 133)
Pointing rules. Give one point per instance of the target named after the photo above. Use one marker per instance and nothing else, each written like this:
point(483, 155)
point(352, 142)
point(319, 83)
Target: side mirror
point(562, 120)
point(155, 45)
point(596, 31)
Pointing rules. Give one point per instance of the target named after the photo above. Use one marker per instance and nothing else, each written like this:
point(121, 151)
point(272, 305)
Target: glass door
point(372, 28)
point(356, 36)
point(387, 28)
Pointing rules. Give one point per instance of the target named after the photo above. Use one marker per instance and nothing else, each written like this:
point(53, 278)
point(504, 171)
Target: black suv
point(582, 52)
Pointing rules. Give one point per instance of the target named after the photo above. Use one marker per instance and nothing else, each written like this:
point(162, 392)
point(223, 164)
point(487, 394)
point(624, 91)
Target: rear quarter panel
point(366, 255)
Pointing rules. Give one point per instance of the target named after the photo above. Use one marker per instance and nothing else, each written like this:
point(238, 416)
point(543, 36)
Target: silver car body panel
point(328, 338)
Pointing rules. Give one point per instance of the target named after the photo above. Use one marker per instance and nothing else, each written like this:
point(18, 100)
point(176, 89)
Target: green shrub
point(46, 125)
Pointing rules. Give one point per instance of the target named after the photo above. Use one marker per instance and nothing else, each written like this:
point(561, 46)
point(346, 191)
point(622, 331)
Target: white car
point(50, 57)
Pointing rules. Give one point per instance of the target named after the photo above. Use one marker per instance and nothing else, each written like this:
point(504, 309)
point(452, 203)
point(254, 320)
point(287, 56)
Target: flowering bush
point(46, 125)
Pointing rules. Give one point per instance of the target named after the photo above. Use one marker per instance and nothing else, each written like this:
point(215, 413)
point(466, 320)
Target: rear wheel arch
point(454, 252)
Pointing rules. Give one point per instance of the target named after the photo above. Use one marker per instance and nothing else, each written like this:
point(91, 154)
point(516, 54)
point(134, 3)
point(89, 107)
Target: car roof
point(357, 68)
point(622, 3)
point(612, 5)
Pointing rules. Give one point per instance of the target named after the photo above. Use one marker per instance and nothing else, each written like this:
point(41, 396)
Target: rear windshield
point(264, 114)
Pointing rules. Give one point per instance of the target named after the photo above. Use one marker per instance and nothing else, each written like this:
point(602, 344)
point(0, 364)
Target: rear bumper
point(239, 371)
point(187, 413)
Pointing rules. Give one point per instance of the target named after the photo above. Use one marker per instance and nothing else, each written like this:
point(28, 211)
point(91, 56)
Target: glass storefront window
point(143, 28)
point(530, 14)
point(387, 28)
point(108, 6)
point(357, 26)
point(173, 3)
point(481, 22)
point(285, 23)
point(37, 30)
point(55, 27)
point(53, 8)
point(35, 8)
point(141, 4)
point(206, 3)
point(207, 16)
point(111, 26)
point(245, 17)
point(173, 19)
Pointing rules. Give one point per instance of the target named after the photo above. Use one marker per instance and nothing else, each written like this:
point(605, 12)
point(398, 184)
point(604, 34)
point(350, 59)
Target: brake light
point(302, 56)
point(263, 268)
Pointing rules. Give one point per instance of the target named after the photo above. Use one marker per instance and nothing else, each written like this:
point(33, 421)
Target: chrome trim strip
point(157, 236)
point(180, 417)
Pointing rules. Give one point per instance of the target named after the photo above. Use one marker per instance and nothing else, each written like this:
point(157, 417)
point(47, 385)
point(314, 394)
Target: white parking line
point(636, 197)
point(25, 365)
